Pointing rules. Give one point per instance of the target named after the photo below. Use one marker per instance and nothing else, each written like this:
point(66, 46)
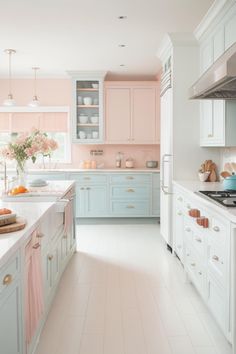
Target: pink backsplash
point(58, 92)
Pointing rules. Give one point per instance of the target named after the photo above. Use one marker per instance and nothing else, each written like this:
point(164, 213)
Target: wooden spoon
point(228, 167)
point(225, 174)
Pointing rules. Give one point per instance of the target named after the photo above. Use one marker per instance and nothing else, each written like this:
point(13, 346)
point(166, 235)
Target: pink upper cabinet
point(132, 115)
point(144, 115)
point(5, 122)
point(118, 114)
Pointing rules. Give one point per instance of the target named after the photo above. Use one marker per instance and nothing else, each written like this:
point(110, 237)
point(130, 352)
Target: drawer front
point(86, 178)
point(188, 231)
point(127, 192)
point(9, 273)
point(218, 232)
point(199, 243)
point(217, 263)
point(131, 208)
point(130, 178)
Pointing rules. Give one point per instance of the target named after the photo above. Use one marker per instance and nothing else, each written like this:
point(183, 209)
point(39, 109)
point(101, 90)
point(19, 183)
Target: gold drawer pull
point(216, 228)
point(7, 279)
point(87, 178)
point(129, 177)
point(215, 258)
point(179, 213)
point(40, 235)
point(193, 264)
point(37, 245)
point(88, 188)
point(198, 240)
point(187, 229)
point(210, 135)
point(130, 190)
point(130, 207)
point(200, 273)
point(50, 257)
point(180, 199)
point(188, 206)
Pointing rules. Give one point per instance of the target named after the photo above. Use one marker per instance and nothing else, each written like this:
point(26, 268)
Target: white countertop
point(10, 242)
point(97, 170)
point(191, 187)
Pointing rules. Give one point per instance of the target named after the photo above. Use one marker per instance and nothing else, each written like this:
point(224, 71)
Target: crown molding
point(87, 74)
point(218, 7)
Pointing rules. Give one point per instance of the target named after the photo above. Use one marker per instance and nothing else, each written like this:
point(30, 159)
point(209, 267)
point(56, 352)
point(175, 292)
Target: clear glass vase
point(21, 173)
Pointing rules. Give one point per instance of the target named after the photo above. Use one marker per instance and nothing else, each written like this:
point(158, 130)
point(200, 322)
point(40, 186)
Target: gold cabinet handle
point(198, 240)
point(88, 188)
point(188, 206)
point(36, 246)
point(65, 236)
point(82, 188)
point(87, 178)
point(40, 235)
point(210, 135)
point(187, 229)
point(180, 199)
point(7, 279)
point(200, 273)
point(216, 228)
point(179, 213)
point(130, 207)
point(129, 177)
point(130, 190)
point(50, 257)
point(193, 264)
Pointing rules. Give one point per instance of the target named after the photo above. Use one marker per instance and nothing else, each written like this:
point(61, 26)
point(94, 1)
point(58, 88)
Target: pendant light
point(35, 102)
point(10, 100)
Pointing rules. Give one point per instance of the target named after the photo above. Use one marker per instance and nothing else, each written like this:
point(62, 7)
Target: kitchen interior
point(118, 177)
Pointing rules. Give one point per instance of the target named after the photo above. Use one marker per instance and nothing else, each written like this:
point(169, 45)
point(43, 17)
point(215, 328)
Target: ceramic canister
point(230, 182)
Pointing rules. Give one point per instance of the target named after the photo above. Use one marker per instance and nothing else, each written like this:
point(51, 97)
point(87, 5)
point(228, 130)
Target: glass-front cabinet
point(88, 108)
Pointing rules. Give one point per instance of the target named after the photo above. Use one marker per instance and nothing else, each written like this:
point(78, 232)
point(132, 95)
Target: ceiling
point(61, 35)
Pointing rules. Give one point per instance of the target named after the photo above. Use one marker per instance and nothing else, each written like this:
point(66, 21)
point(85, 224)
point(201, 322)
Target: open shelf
point(88, 105)
point(88, 125)
point(87, 89)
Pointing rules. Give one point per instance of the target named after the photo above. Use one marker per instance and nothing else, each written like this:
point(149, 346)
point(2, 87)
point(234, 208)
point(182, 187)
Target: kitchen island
point(39, 252)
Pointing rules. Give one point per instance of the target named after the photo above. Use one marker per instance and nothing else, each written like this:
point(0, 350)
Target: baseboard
point(117, 221)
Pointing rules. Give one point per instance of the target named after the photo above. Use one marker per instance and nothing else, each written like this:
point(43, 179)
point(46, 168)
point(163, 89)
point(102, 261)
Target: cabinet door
point(96, 201)
point(118, 115)
point(230, 31)
point(206, 122)
point(218, 43)
point(80, 201)
point(206, 55)
point(212, 123)
point(179, 232)
point(10, 320)
point(144, 115)
point(219, 122)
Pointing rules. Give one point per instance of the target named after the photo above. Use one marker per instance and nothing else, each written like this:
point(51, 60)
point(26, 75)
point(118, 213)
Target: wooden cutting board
point(18, 225)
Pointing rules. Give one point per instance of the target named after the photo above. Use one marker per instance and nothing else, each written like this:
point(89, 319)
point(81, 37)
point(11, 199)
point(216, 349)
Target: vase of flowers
point(28, 147)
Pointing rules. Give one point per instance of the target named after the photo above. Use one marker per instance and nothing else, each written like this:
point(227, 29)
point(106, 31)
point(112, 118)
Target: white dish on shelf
point(95, 86)
point(83, 119)
point(94, 119)
point(88, 101)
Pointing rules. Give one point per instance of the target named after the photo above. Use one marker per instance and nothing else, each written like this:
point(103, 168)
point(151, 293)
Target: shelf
point(87, 125)
point(87, 89)
point(88, 106)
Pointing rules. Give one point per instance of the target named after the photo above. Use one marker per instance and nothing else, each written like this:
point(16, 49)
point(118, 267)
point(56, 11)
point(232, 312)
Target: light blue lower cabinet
point(117, 194)
point(11, 323)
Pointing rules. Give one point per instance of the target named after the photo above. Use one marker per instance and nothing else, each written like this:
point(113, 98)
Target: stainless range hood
point(219, 81)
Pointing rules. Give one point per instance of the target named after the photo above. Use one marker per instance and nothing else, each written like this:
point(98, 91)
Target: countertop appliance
point(226, 198)
point(152, 164)
point(219, 81)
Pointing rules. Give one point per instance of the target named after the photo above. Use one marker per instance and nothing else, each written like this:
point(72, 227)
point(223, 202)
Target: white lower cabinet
point(205, 254)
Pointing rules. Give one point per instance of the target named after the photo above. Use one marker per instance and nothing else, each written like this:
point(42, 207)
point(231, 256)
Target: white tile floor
point(124, 293)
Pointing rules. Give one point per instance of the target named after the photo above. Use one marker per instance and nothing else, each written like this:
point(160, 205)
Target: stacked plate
point(38, 183)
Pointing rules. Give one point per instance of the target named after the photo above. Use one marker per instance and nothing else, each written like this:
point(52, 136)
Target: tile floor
point(124, 293)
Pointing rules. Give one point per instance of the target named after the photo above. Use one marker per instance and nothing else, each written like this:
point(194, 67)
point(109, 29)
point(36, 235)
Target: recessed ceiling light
point(122, 17)
point(122, 45)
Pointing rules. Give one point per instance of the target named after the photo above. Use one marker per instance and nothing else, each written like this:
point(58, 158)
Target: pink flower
point(21, 139)
point(7, 153)
point(53, 145)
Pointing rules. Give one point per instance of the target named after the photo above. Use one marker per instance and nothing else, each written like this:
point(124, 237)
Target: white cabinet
point(205, 254)
point(218, 43)
point(206, 55)
point(217, 122)
point(230, 28)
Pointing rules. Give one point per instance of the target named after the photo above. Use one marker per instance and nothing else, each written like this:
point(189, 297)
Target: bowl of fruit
point(18, 191)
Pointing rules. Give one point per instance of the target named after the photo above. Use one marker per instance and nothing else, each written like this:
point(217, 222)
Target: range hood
point(219, 81)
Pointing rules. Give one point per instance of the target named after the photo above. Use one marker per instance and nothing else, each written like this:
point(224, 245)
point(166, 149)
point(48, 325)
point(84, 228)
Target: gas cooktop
point(226, 198)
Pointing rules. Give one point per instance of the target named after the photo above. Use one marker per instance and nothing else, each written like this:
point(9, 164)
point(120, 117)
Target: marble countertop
point(192, 188)
point(10, 242)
